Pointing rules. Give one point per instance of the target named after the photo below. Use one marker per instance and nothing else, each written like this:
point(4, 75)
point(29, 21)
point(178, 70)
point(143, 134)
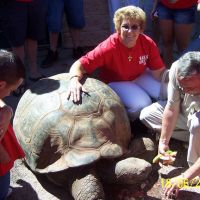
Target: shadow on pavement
point(24, 191)
point(55, 190)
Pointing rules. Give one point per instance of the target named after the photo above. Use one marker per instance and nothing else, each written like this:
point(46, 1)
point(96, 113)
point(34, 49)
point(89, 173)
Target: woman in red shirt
point(123, 60)
point(176, 19)
point(11, 77)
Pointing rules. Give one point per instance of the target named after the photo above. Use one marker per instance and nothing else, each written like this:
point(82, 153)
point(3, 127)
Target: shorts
point(179, 16)
point(74, 11)
point(24, 20)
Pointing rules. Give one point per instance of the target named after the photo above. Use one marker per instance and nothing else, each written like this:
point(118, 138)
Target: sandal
point(20, 90)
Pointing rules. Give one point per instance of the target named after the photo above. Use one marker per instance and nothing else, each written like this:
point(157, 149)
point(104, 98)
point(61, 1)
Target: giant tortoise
point(77, 144)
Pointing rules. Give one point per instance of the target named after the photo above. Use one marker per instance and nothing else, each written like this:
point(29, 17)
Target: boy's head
point(12, 72)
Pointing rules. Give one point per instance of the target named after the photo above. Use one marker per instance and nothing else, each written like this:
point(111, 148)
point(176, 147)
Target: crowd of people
point(129, 61)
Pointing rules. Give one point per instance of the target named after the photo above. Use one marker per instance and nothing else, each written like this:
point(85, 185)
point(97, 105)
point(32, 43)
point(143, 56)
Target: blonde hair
point(130, 12)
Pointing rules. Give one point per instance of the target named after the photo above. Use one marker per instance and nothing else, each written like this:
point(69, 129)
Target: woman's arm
point(77, 70)
point(157, 74)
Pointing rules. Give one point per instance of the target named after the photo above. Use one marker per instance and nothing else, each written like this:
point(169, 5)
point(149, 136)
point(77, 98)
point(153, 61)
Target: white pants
point(137, 94)
point(151, 116)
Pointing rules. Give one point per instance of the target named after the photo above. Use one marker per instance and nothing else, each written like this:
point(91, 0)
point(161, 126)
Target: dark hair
point(11, 67)
point(189, 64)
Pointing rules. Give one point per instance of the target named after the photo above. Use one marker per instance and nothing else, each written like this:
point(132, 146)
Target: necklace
point(130, 58)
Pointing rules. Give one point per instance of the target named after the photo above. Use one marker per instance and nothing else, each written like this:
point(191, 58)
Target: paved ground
point(29, 186)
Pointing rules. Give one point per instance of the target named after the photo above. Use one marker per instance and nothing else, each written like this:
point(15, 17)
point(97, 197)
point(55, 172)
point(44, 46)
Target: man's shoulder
point(174, 67)
point(173, 72)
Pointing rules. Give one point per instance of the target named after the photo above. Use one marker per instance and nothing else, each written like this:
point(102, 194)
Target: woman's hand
point(75, 89)
point(5, 117)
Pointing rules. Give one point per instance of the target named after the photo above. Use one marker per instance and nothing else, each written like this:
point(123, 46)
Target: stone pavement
point(29, 186)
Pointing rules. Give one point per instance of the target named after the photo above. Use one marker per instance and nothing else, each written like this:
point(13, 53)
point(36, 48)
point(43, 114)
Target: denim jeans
point(4, 185)
point(74, 11)
point(179, 16)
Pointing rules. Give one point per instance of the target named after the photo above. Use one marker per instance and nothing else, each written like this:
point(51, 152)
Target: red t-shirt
point(180, 4)
point(111, 56)
point(13, 148)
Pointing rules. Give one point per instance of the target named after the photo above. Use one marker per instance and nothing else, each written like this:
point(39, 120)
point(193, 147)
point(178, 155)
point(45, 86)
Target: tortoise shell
point(57, 133)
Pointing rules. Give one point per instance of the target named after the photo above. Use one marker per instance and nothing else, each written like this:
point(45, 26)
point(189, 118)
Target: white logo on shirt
point(143, 59)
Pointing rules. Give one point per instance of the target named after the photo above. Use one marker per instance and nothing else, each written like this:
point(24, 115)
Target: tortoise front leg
point(87, 187)
point(82, 182)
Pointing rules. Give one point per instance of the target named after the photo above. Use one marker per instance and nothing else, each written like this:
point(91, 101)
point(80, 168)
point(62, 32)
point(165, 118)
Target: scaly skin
point(82, 182)
point(88, 187)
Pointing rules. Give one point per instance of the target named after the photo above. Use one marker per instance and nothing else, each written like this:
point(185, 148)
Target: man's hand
point(165, 156)
point(165, 159)
point(75, 89)
point(173, 186)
